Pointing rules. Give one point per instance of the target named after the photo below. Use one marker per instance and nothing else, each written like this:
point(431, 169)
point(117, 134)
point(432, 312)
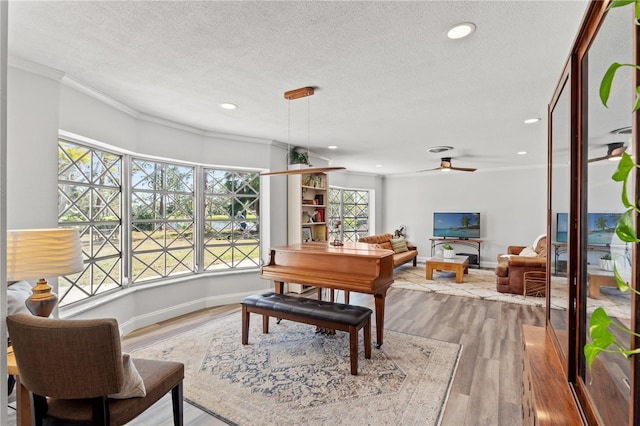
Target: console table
point(561, 248)
point(474, 244)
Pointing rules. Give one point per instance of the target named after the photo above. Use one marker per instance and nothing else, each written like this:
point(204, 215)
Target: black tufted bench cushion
point(320, 313)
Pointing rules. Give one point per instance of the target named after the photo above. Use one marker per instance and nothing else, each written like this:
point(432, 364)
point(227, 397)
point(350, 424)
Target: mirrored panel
point(560, 195)
point(608, 135)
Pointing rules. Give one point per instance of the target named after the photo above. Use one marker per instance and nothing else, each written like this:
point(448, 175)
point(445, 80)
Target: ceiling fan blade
point(593, 160)
point(463, 169)
point(428, 170)
point(614, 150)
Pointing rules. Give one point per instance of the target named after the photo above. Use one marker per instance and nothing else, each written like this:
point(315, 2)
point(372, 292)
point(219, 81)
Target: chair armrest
point(536, 262)
point(515, 249)
point(411, 247)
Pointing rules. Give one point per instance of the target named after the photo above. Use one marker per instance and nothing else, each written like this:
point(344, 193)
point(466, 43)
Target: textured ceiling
point(389, 82)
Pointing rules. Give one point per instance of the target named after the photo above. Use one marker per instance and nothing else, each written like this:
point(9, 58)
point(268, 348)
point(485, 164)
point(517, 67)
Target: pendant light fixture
point(302, 92)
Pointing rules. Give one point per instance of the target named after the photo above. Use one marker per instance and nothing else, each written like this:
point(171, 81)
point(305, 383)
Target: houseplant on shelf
point(298, 156)
point(447, 251)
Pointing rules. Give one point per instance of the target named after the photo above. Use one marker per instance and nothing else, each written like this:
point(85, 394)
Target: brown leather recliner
point(511, 267)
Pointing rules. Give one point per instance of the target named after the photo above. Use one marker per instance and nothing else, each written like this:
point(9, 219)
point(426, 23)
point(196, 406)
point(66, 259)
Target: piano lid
point(348, 249)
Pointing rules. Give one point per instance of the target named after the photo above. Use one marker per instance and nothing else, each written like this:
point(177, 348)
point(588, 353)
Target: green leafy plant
point(297, 156)
point(602, 339)
point(606, 256)
point(447, 246)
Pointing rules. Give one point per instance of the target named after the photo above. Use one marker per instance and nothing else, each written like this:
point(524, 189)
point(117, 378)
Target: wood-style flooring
point(487, 386)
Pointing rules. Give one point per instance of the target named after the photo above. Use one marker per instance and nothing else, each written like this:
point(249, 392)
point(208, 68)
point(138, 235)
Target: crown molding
point(98, 95)
point(23, 64)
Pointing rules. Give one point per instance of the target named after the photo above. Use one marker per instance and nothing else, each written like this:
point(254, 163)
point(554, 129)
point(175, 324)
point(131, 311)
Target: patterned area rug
point(481, 284)
point(294, 376)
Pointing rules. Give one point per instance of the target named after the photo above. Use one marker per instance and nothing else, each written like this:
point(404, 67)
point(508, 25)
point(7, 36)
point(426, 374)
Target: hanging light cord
point(289, 131)
point(308, 126)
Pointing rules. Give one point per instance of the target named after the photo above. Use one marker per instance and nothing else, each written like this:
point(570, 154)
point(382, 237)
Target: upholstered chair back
point(67, 359)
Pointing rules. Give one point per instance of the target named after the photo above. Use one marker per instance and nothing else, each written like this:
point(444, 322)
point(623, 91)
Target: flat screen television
point(600, 227)
point(456, 225)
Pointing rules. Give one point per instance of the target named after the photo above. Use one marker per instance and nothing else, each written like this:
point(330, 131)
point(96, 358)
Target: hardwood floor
point(487, 386)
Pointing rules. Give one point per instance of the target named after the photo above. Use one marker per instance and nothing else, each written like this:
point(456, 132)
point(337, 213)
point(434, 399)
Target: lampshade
point(40, 253)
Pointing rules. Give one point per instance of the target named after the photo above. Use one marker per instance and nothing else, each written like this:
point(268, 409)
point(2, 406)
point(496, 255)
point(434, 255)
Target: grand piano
point(355, 267)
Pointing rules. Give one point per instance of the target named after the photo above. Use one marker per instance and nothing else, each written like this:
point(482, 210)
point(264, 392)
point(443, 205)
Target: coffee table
point(457, 264)
point(599, 278)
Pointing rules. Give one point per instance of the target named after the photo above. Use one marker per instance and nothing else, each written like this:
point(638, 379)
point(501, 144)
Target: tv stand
point(474, 244)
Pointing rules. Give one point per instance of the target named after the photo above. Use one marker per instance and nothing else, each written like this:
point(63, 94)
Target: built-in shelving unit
point(308, 211)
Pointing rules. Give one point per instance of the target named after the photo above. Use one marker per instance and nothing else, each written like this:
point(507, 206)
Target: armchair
point(74, 369)
point(518, 260)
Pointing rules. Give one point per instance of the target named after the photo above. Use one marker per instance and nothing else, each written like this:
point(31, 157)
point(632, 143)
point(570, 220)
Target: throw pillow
point(399, 245)
point(17, 294)
point(528, 252)
point(541, 246)
point(133, 385)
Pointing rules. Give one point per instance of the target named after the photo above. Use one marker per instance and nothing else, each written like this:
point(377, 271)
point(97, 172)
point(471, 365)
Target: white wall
point(512, 206)
point(32, 153)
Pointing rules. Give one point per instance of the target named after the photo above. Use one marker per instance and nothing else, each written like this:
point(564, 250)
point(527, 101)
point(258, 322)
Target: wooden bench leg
point(265, 324)
point(353, 349)
point(176, 402)
point(367, 338)
point(245, 325)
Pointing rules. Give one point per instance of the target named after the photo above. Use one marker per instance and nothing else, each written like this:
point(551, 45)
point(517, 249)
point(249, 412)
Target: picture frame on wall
point(306, 234)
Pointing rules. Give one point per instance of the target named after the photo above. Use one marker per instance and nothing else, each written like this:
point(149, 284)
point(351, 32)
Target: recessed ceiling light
point(228, 106)
point(461, 30)
point(532, 120)
point(332, 147)
point(378, 165)
point(522, 152)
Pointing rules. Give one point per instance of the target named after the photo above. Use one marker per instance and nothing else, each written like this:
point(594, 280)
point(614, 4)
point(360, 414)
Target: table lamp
point(38, 253)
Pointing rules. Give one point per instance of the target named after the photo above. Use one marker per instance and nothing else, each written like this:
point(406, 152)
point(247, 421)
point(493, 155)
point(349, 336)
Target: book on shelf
point(319, 199)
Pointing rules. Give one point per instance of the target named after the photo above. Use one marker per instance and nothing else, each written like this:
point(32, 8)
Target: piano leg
point(379, 301)
point(279, 287)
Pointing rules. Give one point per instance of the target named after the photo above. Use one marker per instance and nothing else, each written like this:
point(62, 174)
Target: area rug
point(481, 284)
point(296, 376)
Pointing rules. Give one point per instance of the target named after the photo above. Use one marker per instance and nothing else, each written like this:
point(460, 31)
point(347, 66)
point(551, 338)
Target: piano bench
point(323, 314)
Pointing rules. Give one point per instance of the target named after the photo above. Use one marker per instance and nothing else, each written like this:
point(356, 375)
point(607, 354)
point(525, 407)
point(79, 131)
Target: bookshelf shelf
point(308, 211)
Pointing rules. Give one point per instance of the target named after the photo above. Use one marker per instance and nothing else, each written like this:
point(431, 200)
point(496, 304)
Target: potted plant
point(606, 263)
point(298, 156)
point(447, 251)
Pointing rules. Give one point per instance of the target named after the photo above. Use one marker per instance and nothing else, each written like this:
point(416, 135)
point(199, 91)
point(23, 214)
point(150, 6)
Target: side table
point(23, 403)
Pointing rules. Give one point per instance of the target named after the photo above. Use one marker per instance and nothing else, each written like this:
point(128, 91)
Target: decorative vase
point(448, 254)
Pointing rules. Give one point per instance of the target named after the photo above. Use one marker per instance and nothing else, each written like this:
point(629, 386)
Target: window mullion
point(126, 227)
point(199, 212)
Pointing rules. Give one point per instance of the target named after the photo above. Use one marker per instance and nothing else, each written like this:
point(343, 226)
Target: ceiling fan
point(445, 166)
point(614, 152)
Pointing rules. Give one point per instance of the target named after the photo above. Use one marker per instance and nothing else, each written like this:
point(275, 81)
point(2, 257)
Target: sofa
point(400, 254)
point(518, 260)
